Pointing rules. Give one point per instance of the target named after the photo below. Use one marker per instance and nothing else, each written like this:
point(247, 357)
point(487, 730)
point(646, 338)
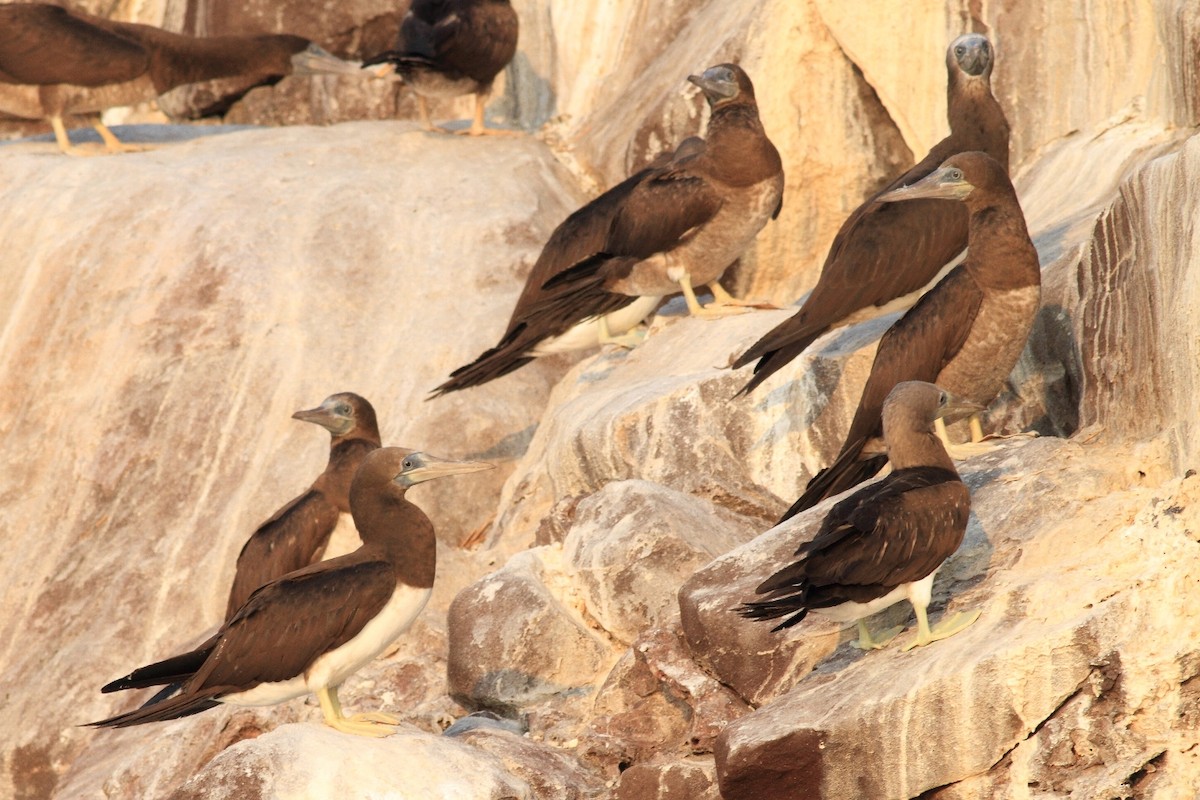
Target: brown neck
point(397, 529)
point(999, 252)
point(976, 120)
point(910, 448)
point(345, 457)
point(738, 151)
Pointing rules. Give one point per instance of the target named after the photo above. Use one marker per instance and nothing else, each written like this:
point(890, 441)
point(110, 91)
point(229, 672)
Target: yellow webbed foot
point(868, 642)
point(944, 629)
point(378, 717)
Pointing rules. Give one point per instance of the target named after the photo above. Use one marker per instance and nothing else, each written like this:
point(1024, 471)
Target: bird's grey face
point(420, 467)
point(718, 84)
point(314, 60)
point(335, 415)
point(973, 53)
point(945, 183)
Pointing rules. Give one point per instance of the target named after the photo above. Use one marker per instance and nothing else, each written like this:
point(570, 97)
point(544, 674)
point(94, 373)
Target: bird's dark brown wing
point(480, 43)
point(893, 532)
point(916, 348)
point(882, 251)
point(293, 538)
point(287, 624)
point(44, 45)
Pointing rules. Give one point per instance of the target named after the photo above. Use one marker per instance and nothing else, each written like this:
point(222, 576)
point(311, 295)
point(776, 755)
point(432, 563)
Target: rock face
point(162, 314)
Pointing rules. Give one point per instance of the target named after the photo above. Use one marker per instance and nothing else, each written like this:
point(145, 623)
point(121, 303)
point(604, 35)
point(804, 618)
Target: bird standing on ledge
point(449, 48)
point(966, 333)
point(682, 225)
point(55, 63)
point(884, 252)
point(579, 236)
point(885, 542)
point(313, 628)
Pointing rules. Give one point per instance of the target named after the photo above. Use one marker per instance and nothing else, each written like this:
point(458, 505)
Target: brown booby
point(966, 333)
point(296, 535)
point(580, 235)
point(682, 225)
point(55, 62)
point(885, 542)
point(313, 628)
point(449, 48)
point(885, 252)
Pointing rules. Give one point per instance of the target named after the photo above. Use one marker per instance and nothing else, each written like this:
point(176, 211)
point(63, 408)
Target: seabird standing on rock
point(966, 333)
point(449, 48)
point(680, 226)
point(885, 542)
point(55, 62)
point(313, 628)
point(580, 235)
point(885, 252)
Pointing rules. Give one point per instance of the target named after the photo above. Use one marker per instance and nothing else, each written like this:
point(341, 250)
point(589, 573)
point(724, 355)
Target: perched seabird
point(55, 62)
point(884, 253)
point(449, 48)
point(579, 236)
point(296, 535)
point(966, 333)
point(885, 542)
point(682, 225)
point(313, 628)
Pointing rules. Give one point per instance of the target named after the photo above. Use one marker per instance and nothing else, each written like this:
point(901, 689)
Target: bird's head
point(955, 179)
point(724, 84)
point(972, 53)
point(916, 404)
point(341, 414)
point(416, 468)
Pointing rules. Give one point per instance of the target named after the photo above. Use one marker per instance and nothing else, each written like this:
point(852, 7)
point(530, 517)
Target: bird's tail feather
point(183, 705)
point(844, 473)
point(171, 670)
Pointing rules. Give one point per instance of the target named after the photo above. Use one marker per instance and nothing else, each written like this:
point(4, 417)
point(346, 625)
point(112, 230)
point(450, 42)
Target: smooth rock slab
point(634, 542)
point(315, 762)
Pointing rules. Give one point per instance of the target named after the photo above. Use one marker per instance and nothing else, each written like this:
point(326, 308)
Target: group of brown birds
point(295, 624)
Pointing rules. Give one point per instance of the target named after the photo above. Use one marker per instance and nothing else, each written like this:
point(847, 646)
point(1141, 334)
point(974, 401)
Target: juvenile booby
point(313, 628)
point(580, 235)
point(885, 542)
point(449, 48)
point(966, 333)
point(55, 62)
point(884, 252)
point(680, 226)
point(296, 535)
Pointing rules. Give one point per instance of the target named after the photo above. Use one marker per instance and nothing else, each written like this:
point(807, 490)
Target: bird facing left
point(313, 628)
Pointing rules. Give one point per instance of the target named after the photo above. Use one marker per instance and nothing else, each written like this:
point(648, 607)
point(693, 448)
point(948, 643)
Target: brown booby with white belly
point(885, 253)
point(885, 542)
point(449, 48)
point(55, 62)
point(313, 628)
point(966, 333)
point(580, 235)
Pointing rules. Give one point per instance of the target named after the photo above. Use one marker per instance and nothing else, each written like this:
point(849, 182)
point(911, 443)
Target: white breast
point(335, 666)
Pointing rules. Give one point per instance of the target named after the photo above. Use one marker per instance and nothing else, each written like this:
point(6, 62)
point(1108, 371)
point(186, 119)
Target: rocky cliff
point(163, 314)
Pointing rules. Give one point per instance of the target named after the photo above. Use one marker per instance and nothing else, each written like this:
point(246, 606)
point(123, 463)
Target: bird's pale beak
point(428, 467)
point(957, 408)
point(944, 183)
point(715, 89)
point(326, 418)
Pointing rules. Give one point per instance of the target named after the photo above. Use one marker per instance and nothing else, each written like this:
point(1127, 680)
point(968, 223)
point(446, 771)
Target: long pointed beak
point(957, 408)
point(939, 184)
point(431, 468)
point(325, 418)
point(714, 90)
point(314, 60)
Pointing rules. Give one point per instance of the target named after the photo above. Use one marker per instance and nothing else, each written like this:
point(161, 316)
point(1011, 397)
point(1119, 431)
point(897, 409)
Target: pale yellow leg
point(477, 127)
point(943, 630)
point(961, 452)
point(629, 339)
point(423, 110)
point(976, 428)
point(372, 724)
point(64, 142)
point(694, 307)
point(114, 145)
point(867, 642)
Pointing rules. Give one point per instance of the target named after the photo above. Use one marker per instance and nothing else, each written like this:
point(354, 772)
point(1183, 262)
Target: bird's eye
point(960, 50)
point(343, 410)
point(408, 464)
point(942, 399)
point(955, 174)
